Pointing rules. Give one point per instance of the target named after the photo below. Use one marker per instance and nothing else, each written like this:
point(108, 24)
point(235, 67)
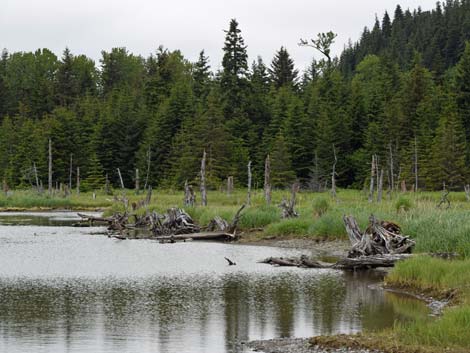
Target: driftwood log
point(379, 238)
point(174, 225)
point(358, 263)
point(380, 245)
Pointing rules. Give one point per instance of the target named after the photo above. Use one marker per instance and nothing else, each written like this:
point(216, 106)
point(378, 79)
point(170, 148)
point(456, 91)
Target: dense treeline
point(402, 92)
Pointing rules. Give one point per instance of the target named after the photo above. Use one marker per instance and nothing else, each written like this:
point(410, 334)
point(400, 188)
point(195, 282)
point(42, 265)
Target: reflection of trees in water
point(192, 311)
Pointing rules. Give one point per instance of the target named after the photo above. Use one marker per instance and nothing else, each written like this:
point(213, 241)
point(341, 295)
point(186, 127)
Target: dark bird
point(230, 262)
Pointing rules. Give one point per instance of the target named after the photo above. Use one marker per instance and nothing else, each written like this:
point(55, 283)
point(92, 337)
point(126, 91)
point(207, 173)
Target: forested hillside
point(402, 92)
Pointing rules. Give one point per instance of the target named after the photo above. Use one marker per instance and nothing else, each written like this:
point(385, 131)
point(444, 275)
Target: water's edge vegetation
point(435, 231)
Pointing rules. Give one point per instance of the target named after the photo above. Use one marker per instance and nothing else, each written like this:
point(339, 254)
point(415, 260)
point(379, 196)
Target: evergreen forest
point(401, 93)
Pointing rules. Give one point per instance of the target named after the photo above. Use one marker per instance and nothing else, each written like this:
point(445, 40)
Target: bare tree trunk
point(78, 180)
point(333, 174)
point(50, 168)
point(229, 185)
point(137, 181)
point(36, 176)
point(467, 192)
point(189, 196)
point(416, 165)
point(248, 198)
point(70, 171)
point(148, 169)
point(372, 178)
point(380, 186)
point(203, 180)
point(120, 178)
point(267, 180)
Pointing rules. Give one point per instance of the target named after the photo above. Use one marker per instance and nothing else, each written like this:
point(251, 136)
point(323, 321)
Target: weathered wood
point(288, 206)
point(354, 264)
point(120, 178)
point(50, 168)
point(372, 178)
point(248, 197)
point(380, 186)
point(198, 236)
point(467, 192)
point(416, 165)
point(267, 180)
point(137, 181)
point(229, 185)
point(78, 180)
point(70, 171)
point(36, 177)
point(333, 174)
point(379, 238)
point(203, 180)
point(189, 195)
point(148, 169)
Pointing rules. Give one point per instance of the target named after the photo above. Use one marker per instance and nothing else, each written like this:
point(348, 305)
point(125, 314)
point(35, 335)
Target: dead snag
point(229, 185)
point(50, 168)
point(267, 180)
point(248, 197)
point(333, 174)
point(288, 206)
point(189, 195)
point(373, 168)
point(467, 192)
point(203, 180)
point(379, 238)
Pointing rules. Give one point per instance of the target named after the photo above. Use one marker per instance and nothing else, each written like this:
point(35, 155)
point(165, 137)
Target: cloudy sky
point(89, 26)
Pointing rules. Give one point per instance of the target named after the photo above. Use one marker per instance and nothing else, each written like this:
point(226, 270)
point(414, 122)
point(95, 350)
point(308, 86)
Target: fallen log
point(198, 236)
point(353, 264)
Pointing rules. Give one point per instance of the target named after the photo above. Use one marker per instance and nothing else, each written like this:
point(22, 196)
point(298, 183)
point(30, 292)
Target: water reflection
point(73, 292)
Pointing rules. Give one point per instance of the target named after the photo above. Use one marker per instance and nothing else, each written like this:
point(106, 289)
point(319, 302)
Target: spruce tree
point(449, 149)
point(282, 71)
point(235, 69)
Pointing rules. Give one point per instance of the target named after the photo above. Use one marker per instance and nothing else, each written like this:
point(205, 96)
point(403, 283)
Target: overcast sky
point(89, 26)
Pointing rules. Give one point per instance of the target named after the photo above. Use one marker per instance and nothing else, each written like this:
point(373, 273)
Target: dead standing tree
point(267, 180)
point(229, 185)
point(203, 180)
point(467, 192)
point(50, 168)
point(372, 177)
point(120, 178)
point(189, 195)
point(333, 174)
point(380, 186)
point(248, 196)
point(288, 206)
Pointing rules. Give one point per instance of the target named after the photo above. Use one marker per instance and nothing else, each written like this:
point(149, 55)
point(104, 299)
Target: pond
point(66, 289)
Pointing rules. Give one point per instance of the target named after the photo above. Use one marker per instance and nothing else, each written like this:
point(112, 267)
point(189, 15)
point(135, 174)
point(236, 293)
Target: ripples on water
point(65, 290)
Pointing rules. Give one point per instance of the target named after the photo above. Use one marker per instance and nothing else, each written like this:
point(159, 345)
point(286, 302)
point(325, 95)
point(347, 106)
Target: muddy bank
point(298, 345)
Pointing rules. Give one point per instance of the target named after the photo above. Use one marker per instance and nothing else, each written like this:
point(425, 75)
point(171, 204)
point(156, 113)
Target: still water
point(65, 289)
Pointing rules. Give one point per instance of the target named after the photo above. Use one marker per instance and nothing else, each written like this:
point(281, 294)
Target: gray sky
point(89, 26)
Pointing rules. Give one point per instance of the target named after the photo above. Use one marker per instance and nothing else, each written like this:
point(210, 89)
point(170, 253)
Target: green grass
point(320, 217)
point(438, 277)
point(21, 199)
